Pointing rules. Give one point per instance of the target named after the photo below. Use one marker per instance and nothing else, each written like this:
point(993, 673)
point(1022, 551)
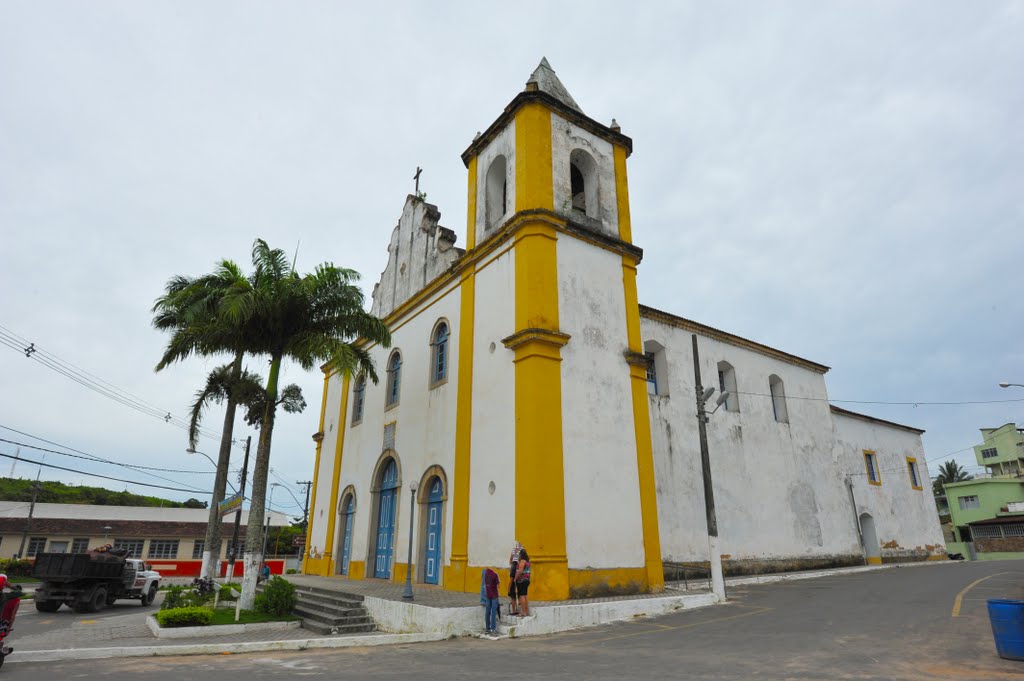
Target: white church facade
point(528, 396)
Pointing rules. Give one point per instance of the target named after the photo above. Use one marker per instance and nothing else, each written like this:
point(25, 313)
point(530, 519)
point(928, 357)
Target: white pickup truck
point(88, 582)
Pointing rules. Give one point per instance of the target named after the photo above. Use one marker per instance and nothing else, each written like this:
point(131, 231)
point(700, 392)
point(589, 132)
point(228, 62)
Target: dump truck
point(89, 582)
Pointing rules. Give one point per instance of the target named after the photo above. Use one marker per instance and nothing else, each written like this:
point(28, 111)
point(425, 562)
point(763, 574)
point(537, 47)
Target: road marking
point(960, 596)
point(665, 628)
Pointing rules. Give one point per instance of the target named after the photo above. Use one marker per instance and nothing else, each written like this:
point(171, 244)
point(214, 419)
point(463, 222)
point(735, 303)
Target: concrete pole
point(715, 555)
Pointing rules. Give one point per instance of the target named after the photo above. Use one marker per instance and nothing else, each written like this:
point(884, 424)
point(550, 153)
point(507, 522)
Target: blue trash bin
point(1007, 618)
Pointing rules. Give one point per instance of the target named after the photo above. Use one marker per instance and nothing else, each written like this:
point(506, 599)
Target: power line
point(98, 460)
point(107, 477)
point(917, 403)
point(92, 382)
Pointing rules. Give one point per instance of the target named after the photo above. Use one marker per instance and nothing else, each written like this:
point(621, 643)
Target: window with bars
point(80, 545)
point(198, 546)
point(439, 355)
point(394, 379)
point(358, 399)
point(989, 453)
point(652, 374)
point(163, 548)
point(987, 532)
point(36, 545)
point(871, 466)
point(134, 546)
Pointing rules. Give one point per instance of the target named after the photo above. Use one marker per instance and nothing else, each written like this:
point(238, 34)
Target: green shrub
point(16, 568)
point(292, 571)
point(185, 597)
point(185, 617)
point(277, 598)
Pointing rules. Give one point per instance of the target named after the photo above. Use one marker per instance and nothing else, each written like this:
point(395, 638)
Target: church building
point(528, 396)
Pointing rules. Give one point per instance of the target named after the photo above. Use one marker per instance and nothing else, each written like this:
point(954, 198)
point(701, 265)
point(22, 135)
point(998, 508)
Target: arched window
point(778, 391)
point(727, 381)
point(394, 379)
point(358, 399)
point(439, 355)
point(583, 184)
point(496, 192)
point(657, 368)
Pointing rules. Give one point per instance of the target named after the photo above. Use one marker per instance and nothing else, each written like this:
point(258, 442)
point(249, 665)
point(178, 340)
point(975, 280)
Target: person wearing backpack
point(491, 603)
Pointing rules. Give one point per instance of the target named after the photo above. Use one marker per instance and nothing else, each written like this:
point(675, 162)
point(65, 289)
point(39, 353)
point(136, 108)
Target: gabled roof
point(873, 419)
point(546, 81)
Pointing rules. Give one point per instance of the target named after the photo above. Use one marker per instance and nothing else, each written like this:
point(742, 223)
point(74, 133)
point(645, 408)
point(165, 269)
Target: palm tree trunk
point(211, 549)
point(254, 531)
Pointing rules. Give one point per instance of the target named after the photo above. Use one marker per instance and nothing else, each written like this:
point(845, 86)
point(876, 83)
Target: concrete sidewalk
point(433, 615)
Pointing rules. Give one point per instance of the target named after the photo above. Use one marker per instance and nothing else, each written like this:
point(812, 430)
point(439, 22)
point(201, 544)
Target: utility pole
point(31, 512)
point(238, 514)
point(715, 557)
point(305, 509)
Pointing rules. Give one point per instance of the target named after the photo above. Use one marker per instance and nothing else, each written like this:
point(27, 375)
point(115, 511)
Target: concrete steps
point(331, 612)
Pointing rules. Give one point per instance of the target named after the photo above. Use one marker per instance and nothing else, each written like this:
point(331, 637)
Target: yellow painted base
point(937, 556)
point(455, 577)
point(398, 574)
point(875, 560)
point(611, 581)
point(317, 566)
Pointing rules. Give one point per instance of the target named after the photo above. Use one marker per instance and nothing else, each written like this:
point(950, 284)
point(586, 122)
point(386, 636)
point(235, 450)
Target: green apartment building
point(988, 512)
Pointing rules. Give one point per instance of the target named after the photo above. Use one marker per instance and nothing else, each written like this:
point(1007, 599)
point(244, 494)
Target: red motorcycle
point(10, 599)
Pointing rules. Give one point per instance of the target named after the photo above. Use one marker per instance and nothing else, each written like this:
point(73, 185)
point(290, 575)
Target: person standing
point(491, 606)
point(513, 567)
point(522, 581)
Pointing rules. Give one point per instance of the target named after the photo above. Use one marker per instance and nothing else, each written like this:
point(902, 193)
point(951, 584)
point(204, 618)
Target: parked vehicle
point(10, 599)
point(88, 582)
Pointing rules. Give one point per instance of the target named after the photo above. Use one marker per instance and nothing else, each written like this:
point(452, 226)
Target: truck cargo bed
point(66, 567)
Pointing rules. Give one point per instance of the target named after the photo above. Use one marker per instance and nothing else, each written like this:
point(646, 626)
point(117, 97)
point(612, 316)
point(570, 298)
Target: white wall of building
point(778, 493)
point(602, 489)
point(424, 430)
point(493, 435)
point(906, 521)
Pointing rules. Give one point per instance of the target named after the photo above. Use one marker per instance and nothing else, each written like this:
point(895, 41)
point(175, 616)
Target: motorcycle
point(10, 599)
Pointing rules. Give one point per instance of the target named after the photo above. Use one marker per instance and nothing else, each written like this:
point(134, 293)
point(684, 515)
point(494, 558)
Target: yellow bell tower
point(549, 183)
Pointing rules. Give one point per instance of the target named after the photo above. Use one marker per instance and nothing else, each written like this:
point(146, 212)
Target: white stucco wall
point(564, 138)
point(493, 437)
point(502, 145)
point(906, 520)
point(325, 473)
point(778, 493)
point(425, 426)
point(602, 491)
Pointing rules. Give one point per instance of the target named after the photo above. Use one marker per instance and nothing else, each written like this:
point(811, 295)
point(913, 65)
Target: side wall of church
point(493, 438)
point(781, 501)
point(906, 522)
point(602, 491)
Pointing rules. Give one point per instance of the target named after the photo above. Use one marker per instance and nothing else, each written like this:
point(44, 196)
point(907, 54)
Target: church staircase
point(330, 612)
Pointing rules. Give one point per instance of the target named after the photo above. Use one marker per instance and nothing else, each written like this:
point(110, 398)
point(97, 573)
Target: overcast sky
point(843, 181)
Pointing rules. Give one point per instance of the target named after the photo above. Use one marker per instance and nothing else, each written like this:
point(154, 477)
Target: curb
point(220, 648)
point(219, 630)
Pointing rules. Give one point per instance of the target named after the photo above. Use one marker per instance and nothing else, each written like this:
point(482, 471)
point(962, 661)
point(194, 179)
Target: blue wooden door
point(386, 521)
point(346, 543)
point(432, 569)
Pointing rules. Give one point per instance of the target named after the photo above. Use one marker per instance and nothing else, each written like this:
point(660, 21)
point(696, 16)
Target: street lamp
point(703, 395)
point(1007, 385)
point(212, 462)
point(408, 560)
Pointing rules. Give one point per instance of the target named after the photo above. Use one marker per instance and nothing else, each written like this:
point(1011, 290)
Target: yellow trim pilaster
point(332, 509)
point(455, 572)
point(534, 181)
point(622, 195)
point(471, 206)
point(307, 567)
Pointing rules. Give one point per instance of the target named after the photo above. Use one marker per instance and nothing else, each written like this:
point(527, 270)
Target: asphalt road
point(30, 622)
point(925, 622)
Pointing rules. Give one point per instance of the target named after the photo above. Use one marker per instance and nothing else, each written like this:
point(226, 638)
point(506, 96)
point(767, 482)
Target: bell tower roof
point(544, 79)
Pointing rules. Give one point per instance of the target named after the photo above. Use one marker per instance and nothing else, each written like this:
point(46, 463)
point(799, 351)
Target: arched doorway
point(432, 537)
point(348, 509)
point(386, 507)
point(872, 551)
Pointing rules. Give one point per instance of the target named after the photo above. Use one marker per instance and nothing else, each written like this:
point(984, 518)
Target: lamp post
point(270, 509)
point(408, 560)
point(715, 556)
point(1007, 385)
point(238, 515)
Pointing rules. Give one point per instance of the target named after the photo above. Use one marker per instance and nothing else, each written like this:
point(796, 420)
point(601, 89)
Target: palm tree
point(189, 309)
point(311, 319)
point(950, 471)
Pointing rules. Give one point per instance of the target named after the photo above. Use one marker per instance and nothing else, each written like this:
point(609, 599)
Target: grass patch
point(227, 616)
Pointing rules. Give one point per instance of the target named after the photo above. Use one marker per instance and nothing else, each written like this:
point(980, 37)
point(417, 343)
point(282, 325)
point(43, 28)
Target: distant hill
point(17, 489)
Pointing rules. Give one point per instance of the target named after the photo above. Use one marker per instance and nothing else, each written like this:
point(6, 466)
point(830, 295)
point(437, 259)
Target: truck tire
point(147, 598)
point(43, 605)
point(99, 599)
